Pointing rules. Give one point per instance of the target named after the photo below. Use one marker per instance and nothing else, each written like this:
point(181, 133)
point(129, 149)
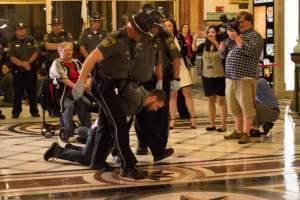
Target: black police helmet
point(156, 16)
point(142, 22)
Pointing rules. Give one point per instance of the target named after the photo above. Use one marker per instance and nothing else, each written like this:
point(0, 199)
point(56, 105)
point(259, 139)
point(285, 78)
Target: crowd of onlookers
point(226, 53)
point(142, 70)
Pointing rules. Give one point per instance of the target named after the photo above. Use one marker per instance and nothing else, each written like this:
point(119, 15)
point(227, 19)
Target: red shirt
point(73, 74)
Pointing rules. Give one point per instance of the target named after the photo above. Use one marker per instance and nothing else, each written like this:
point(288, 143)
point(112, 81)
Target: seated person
point(6, 86)
point(66, 70)
point(267, 108)
point(138, 99)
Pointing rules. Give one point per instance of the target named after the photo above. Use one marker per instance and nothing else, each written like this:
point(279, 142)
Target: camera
point(230, 25)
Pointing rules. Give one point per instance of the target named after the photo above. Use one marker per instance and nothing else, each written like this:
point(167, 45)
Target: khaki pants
point(240, 96)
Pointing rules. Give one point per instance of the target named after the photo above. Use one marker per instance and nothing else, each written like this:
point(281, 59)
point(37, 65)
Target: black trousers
point(152, 128)
point(25, 81)
point(115, 129)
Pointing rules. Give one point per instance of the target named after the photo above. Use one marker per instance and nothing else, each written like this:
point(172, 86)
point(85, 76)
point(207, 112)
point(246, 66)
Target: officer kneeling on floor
point(116, 54)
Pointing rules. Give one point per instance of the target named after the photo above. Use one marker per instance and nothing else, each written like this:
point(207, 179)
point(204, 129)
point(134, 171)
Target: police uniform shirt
point(167, 46)
point(90, 39)
point(53, 38)
point(23, 49)
point(146, 58)
point(133, 97)
point(117, 50)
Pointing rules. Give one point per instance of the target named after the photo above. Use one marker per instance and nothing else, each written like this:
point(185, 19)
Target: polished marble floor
point(204, 166)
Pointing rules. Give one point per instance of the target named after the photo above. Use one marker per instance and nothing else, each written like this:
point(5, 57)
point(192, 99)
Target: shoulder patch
point(107, 42)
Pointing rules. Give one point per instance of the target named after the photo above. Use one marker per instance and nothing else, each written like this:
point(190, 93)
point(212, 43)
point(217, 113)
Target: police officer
point(53, 39)
point(92, 36)
point(146, 62)
point(116, 54)
point(23, 52)
point(149, 125)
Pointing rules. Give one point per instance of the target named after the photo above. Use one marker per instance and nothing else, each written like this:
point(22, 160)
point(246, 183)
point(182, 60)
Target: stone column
point(295, 106)
point(279, 83)
point(48, 14)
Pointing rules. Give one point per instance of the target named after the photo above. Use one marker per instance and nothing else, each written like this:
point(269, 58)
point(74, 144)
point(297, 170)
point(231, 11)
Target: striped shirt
point(243, 61)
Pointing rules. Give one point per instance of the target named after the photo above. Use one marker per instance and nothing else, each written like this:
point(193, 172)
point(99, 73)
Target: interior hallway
point(204, 166)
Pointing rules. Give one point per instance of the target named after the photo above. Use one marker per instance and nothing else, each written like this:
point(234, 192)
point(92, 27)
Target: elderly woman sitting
point(65, 70)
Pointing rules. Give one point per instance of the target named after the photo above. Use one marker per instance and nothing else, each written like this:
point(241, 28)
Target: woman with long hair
point(188, 38)
point(213, 78)
point(185, 77)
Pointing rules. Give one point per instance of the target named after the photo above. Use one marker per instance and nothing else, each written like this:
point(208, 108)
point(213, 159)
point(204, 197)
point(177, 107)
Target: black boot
point(51, 152)
point(132, 173)
point(168, 152)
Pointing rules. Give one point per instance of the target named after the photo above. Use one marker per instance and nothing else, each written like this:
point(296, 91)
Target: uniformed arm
point(33, 58)
point(82, 44)
point(176, 67)
point(51, 46)
point(83, 51)
point(159, 66)
point(19, 62)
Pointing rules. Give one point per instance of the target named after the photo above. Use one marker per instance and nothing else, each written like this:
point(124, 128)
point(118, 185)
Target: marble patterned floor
point(204, 166)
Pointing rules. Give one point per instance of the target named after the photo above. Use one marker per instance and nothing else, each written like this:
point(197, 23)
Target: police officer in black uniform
point(148, 61)
point(92, 36)
point(23, 51)
point(149, 125)
point(54, 38)
point(116, 54)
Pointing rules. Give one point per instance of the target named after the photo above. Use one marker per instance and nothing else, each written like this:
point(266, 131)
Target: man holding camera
point(242, 59)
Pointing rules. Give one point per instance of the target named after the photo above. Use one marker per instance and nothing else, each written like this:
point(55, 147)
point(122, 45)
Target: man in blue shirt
point(267, 108)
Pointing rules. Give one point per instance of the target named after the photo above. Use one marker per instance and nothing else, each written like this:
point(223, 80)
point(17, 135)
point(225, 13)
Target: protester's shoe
point(35, 115)
point(132, 173)
point(141, 151)
point(103, 167)
point(233, 135)
point(244, 139)
point(168, 152)
point(254, 133)
point(15, 116)
point(212, 128)
point(221, 129)
point(50, 152)
point(267, 127)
